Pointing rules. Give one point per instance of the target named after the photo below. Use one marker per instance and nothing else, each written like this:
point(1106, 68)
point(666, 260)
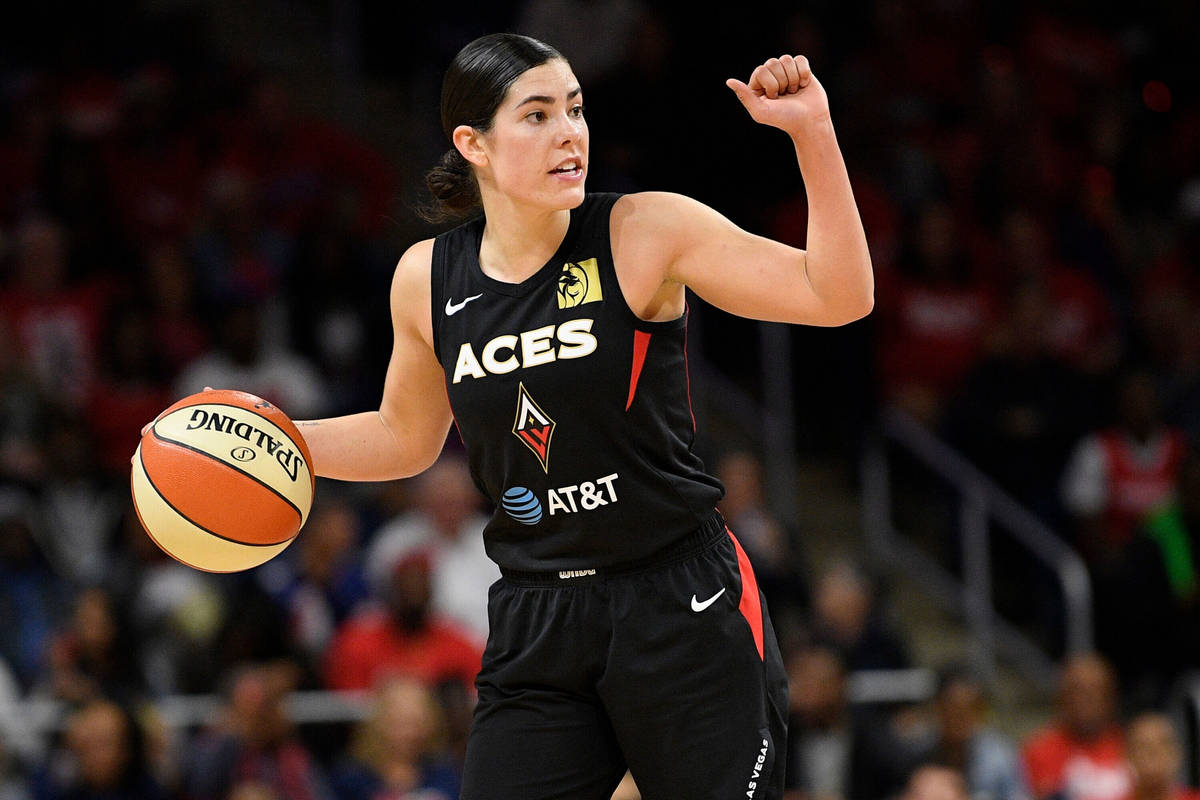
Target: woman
point(396, 754)
point(628, 628)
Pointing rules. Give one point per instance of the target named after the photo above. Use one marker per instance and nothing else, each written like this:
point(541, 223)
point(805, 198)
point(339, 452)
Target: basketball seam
point(174, 508)
point(154, 539)
point(296, 439)
point(209, 455)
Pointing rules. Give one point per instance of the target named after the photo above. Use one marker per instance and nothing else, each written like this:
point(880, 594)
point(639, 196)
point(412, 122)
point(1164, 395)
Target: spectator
point(32, 597)
point(57, 322)
point(304, 168)
point(398, 752)
point(1116, 475)
point(131, 384)
point(23, 410)
point(1017, 413)
point(253, 743)
point(1114, 478)
point(847, 617)
point(981, 756)
point(153, 165)
point(402, 637)
point(319, 581)
point(241, 361)
point(95, 656)
point(238, 260)
point(13, 783)
point(936, 782)
point(933, 331)
point(1158, 587)
point(834, 752)
point(174, 610)
point(768, 543)
point(79, 505)
point(447, 525)
point(170, 286)
point(105, 759)
point(1155, 760)
point(1080, 755)
point(20, 743)
point(1082, 331)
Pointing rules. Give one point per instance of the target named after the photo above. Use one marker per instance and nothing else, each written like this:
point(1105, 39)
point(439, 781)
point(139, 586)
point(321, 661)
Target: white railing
point(983, 503)
point(43, 716)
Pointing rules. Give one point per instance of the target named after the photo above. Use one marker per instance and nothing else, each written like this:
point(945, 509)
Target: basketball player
point(627, 629)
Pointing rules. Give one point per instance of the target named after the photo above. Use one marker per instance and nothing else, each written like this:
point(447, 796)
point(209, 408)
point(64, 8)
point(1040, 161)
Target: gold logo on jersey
point(533, 427)
point(579, 284)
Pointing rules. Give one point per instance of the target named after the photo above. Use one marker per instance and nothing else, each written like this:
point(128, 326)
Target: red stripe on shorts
point(749, 605)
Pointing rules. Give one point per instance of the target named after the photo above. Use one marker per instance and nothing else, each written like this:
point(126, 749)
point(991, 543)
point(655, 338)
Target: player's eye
point(536, 116)
point(577, 110)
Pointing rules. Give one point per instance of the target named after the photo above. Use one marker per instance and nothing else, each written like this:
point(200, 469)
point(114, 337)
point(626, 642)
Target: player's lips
point(570, 169)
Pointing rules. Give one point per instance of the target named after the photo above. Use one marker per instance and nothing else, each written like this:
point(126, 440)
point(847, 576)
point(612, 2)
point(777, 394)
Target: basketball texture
point(222, 481)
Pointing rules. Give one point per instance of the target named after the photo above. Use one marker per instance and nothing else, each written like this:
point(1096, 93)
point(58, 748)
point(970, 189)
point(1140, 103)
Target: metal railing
point(41, 716)
point(983, 503)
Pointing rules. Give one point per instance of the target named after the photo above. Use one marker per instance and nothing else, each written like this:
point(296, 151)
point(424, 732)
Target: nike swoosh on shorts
point(698, 606)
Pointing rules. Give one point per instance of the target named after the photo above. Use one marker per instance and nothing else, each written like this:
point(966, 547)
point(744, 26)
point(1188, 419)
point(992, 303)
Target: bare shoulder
point(410, 296)
point(414, 268)
point(651, 210)
point(664, 220)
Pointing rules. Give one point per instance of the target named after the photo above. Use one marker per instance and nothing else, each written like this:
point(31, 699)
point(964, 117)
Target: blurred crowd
point(175, 215)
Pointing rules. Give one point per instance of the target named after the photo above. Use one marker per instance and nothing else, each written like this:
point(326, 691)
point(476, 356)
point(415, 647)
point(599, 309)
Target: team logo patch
point(579, 284)
point(533, 427)
point(521, 504)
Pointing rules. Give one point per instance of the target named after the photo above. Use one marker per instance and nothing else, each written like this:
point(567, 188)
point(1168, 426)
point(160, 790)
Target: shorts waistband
point(711, 531)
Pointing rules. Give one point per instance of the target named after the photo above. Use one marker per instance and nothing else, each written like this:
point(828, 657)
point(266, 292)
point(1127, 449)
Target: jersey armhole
point(437, 282)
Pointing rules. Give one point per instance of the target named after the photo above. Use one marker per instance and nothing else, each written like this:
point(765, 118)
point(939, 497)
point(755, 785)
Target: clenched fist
point(784, 93)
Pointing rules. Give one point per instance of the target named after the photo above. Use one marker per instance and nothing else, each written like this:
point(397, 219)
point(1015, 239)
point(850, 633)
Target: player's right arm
point(406, 434)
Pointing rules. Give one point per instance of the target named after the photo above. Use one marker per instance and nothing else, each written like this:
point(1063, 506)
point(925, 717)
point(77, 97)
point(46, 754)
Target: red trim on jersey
point(749, 605)
point(641, 341)
point(687, 372)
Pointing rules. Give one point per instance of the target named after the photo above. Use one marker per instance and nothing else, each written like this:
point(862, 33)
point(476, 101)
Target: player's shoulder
point(658, 210)
point(644, 204)
point(414, 266)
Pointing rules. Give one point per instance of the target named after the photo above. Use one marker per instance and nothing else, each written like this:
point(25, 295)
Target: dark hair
point(474, 87)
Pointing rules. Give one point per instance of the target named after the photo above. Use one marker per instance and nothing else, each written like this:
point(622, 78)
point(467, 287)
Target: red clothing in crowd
point(369, 647)
point(1135, 485)
point(59, 333)
point(933, 335)
point(1178, 793)
point(1058, 763)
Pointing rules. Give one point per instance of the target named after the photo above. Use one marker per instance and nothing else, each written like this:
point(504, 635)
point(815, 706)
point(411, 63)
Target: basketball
point(222, 481)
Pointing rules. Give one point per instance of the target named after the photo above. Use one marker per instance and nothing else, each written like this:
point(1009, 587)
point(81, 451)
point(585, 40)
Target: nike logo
point(697, 606)
point(453, 308)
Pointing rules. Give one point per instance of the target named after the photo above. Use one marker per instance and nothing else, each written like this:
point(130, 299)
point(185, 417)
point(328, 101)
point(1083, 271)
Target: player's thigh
point(699, 710)
point(538, 744)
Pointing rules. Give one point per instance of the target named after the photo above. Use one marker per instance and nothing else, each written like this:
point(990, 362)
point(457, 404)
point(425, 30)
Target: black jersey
point(575, 413)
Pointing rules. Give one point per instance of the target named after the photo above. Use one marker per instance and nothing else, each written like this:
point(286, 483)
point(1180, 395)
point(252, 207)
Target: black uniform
point(628, 628)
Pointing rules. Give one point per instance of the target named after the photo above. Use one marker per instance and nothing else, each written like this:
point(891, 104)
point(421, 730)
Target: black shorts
point(669, 668)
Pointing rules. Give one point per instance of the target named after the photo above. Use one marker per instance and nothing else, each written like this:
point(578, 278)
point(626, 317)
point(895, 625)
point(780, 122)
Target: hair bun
point(452, 184)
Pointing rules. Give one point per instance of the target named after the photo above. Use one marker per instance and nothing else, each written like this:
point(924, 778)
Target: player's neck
point(519, 240)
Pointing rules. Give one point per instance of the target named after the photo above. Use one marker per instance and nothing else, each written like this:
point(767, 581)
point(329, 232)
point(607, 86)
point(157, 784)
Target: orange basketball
point(222, 481)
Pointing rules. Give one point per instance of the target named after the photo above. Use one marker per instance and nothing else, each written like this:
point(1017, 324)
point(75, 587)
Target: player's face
point(538, 144)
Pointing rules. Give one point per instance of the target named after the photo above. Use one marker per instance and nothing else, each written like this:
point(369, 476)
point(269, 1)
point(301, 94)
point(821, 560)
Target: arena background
point(996, 470)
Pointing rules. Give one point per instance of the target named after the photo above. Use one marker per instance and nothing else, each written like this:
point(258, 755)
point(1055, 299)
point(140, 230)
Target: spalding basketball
point(222, 481)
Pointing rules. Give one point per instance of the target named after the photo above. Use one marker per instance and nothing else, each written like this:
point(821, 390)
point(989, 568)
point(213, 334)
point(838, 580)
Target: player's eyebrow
point(545, 98)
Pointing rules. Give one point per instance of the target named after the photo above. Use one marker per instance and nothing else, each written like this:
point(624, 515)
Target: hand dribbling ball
point(222, 481)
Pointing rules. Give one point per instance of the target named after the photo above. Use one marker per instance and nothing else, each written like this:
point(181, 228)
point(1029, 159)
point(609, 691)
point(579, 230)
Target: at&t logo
point(524, 506)
point(521, 504)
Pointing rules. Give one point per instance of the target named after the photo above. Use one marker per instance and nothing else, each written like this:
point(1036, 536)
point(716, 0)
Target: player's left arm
point(829, 283)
